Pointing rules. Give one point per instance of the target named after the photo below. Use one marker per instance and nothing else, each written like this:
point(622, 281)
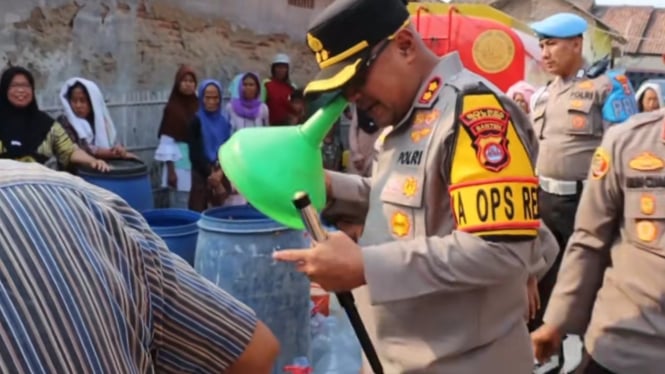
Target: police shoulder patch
point(493, 188)
point(600, 163)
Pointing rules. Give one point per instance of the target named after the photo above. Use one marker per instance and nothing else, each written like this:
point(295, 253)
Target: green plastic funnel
point(268, 165)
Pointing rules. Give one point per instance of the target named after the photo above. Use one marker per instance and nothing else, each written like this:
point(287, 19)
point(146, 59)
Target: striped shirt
point(87, 287)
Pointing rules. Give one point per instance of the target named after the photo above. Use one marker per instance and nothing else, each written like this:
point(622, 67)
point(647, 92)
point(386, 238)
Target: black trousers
point(558, 214)
point(596, 368)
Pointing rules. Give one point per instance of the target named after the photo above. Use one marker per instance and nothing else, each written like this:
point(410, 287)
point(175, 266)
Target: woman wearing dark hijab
point(207, 132)
point(30, 135)
point(173, 149)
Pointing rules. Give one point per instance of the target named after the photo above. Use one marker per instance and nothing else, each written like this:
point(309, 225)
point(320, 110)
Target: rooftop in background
point(643, 26)
point(654, 3)
point(527, 11)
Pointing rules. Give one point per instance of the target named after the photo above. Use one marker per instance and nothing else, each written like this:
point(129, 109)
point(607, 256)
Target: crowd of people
point(195, 123)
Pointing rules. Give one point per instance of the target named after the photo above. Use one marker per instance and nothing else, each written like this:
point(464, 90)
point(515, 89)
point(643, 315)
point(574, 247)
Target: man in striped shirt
point(87, 287)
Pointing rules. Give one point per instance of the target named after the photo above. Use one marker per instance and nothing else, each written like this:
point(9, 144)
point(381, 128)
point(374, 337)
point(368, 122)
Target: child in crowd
point(297, 115)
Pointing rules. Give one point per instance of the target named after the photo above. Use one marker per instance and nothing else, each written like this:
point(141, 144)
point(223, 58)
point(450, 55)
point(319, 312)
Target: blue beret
point(560, 25)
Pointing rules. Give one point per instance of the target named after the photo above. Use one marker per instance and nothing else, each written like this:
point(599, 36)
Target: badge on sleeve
point(600, 163)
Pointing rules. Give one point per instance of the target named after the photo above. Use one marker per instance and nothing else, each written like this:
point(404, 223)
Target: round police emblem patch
point(494, 153)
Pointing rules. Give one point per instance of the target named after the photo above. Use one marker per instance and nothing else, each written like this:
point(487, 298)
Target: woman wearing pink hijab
point(521, 93)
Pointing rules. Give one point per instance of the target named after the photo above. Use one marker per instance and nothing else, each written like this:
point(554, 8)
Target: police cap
point(342, 37)
point(560, 26)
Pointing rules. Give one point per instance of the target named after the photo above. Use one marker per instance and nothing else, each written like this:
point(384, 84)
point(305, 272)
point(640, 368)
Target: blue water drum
point(235, 250)
point(128, 179)
point(178, 228)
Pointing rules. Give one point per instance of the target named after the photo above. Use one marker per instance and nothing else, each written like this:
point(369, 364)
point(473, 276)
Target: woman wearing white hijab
point(649, 97)
point(87, 119)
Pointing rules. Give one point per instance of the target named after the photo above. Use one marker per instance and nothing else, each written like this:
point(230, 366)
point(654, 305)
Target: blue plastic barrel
point(128, 179)
point(178, 228)
point(235, 250)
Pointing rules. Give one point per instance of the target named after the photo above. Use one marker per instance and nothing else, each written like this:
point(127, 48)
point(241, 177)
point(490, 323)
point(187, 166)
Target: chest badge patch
point(410, 187)
point(586, 85)
point(578, 122)
point(423, 123)
point(488, 127)
point(647, 204)
point(646, 231)
point(576, 104)
point(646, 161)
point(419, 134)
point(400, 224)
point(430, 91)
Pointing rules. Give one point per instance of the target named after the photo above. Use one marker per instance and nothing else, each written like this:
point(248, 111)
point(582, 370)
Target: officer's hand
point(546, 341)
point(335, 264)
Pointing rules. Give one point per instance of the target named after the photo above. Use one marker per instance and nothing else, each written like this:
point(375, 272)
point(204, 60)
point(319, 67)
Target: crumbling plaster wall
point(129, 45)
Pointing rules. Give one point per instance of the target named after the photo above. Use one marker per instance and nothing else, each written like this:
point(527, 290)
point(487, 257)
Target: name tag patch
point(645, 182)
point(410, 158)
point(582, 95)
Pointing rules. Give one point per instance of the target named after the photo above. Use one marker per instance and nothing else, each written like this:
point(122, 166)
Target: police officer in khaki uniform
point(568, 121)
point(452, 230)
point(622, 212)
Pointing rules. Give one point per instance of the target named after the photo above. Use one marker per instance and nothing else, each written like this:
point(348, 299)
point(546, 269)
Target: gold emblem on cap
point(314, 43)
point(317, 47)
